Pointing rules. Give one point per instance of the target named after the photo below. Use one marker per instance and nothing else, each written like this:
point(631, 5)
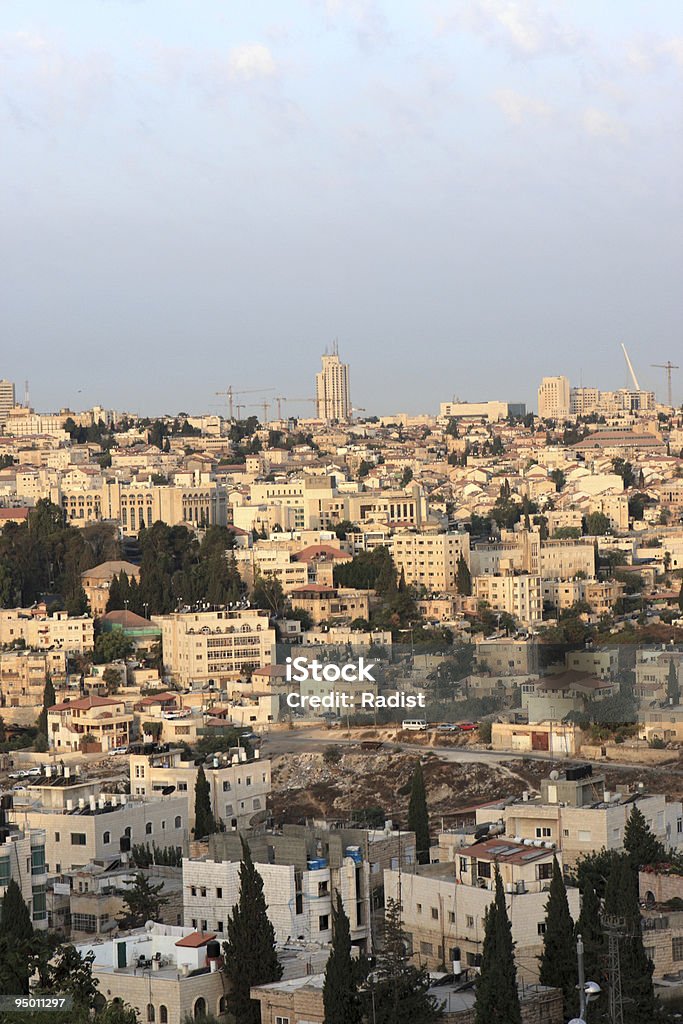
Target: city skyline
point(193, 202)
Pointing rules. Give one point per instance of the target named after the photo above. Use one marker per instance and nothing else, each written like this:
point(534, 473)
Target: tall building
point(553, 398)
point(333, 399)
point(6, 400)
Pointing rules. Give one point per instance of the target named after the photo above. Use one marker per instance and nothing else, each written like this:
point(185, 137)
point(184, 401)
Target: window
point(323, 889)
point(584, 836)
point(163, 1014)
point(565, 833)
point(182, 787)
point(148, 828)
point(178, 821)
point(677, 948)
point(78, 839)
point(193, 890)
point(469, 921)
point(435, 913)
point(483, 869)
point(226, 786)
point(543, 833)
point(57, 837)
point(426, 948)
point(545, 871)
point(202, 891)
point(150, 1012)
point(540, 927)
point(282, 1020)
point(106, 838)
point(38, 860)
point(205, 925)
point(219, 893)
point(418, 908)
point(163, 825)
point(463, 863)
point(84, 923)
point(451, 917)
point(219, 926)
point(323, 922)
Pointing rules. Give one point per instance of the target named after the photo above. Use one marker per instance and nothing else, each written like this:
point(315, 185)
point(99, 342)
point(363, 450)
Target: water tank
point(354, 853)
point(457, 965)
point(213, 950)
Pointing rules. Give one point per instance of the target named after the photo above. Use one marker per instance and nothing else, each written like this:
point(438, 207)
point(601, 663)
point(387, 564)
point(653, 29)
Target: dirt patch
point(304, 785)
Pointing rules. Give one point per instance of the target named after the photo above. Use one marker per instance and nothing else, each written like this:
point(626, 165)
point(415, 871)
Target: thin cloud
point(517, 108)
point(524, 26)
point(251, 60)
point(599, 124)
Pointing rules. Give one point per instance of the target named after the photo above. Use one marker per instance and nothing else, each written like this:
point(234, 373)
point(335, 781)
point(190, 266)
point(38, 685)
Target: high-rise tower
point(333, 398)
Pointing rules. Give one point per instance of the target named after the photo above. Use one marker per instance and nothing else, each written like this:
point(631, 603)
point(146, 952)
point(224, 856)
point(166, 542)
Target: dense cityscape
point(216, 805)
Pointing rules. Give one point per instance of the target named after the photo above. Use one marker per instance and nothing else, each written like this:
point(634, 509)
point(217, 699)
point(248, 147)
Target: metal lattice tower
point(616, 928)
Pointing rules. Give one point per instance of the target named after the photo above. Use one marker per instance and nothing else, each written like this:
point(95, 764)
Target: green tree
point(399, 991)
point(113, 646)
point(596, 524)
point(418, 815)
point(49, 700)
point(249, 956)
point(673, 691)
point(558, 960)
point(143, 902)
point(340, 989)
point(640, 842)
point(463, 577)
point(497, 999)
point(204, 821)
point(16, 937)
point(590, 929)
point(621, 901)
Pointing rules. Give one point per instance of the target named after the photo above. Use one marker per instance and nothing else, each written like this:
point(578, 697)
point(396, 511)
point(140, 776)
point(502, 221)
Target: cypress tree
point(49, 700)
point(463, 578)
point(673, 692)
point(340, 990)
point(497, 995)
point(558, 961)
point(621, 900)
point(590, 929)
point(418, 816)
point(641, 843)
point(204, 822)
point(399, 990)
point(249, 956)
point(16, 940)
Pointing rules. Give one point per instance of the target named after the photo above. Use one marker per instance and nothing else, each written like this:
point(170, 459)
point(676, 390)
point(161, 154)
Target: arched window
point(150, 1012)
point(223, 1004)
point(200, 1008)
point(106, 837)
point(148, 828)
point(178, 821)
point(163, 1014)
point(126, 831)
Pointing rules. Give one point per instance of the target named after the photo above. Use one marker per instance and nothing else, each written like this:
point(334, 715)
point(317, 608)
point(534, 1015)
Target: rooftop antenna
point(668, 366)
point(636, 385)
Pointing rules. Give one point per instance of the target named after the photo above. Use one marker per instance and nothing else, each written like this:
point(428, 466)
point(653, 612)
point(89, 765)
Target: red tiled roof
point(13, 513)
point(85, 703)
point(196, 939)
point(320, 551)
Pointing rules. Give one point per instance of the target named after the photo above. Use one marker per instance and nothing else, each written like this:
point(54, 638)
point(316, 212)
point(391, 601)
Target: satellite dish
point(554, 775)
point(149, 926)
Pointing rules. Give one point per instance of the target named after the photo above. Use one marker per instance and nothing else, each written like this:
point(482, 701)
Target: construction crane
point(282, 398)
point(230, 394)
point(636, 385)
point(668, 366)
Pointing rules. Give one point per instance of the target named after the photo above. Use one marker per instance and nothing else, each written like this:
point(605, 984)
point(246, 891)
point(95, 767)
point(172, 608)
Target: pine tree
point(398, 992)
point(249, 956)
point(621, 900)
point(497, 996)
point(49, 700)
point(204, 822)
point(340, 990)
point(418, 816)
point(673, 692)
point(640, 842)
point(142, 902)
point(463, 578)
point(558, 960)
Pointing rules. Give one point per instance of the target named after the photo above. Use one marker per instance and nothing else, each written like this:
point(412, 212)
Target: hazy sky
point(468, 194)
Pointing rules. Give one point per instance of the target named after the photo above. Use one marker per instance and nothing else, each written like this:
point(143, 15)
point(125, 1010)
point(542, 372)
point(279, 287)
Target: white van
point(414, 724)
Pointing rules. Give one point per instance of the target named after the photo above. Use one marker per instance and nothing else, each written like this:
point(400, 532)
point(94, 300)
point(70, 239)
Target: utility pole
point(668, 366)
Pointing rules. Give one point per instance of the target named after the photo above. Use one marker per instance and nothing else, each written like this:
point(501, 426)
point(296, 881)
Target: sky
point(467, 194)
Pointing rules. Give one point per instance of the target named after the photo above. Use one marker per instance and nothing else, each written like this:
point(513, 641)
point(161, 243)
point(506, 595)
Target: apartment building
point(21, 421)
point(332, 393)
point(22, 860)
point(72, 634)
point(491, 411)
point(239, 785)
point(430, 559)
point(7, 400)
point(578, 815)
point(167, 973)
point(302, 869)
point(444, 905)
point(94, 723)
point(23, 675)
point(82, 824)
point(136, 504)
point(652, 671)
point(600, 595)
point(333, 604)
point(518, 595)
point(215, 646)
point(554, 398)
point(554, 696)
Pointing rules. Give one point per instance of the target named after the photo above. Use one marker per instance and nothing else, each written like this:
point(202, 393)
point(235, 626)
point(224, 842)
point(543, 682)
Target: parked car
point(448, 727)
point(468, 726)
